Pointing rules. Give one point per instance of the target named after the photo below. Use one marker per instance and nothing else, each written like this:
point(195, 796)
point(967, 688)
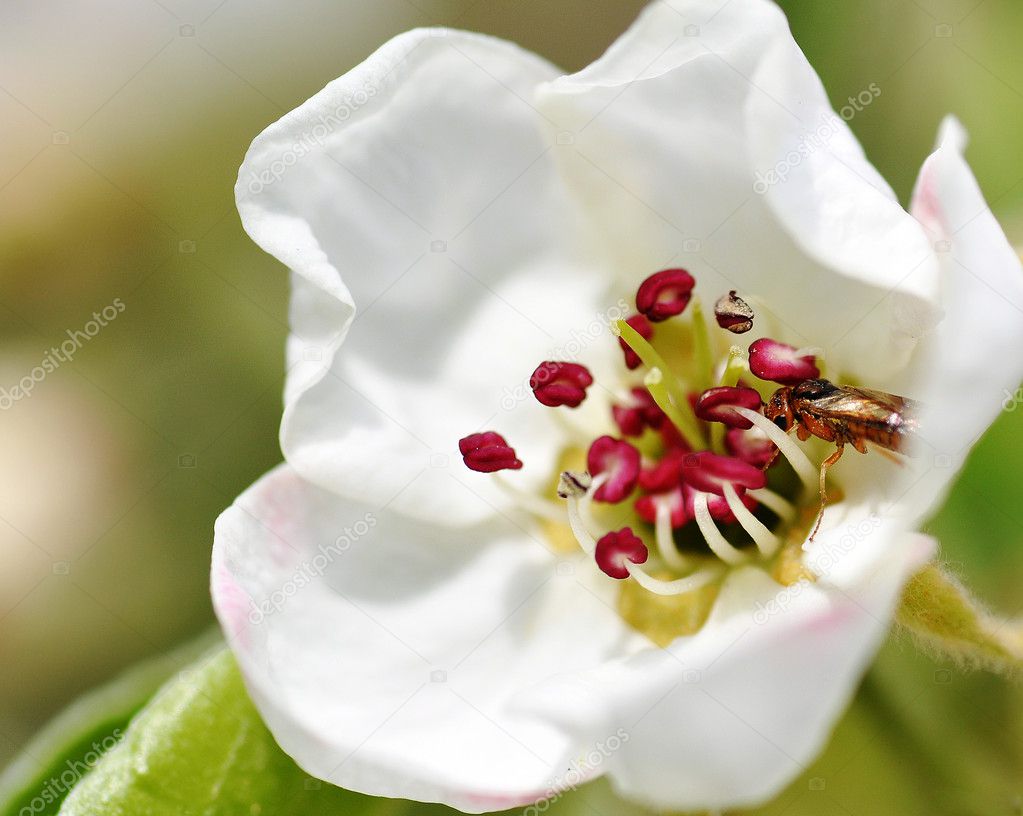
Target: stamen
point(779, 505)
point(665, 294)
point(620, 461)
point(680, 586)
point(736, 366)
point(586, 501)
point(651, 360)
point(663, 525)
point(733, 313)
point(638, 413)
point(488, 452)
point(789, 449)
point(644, 330)
point(555, 384)
point(617, 549)
point(717, 405)
point(712, 535)
point(665, 475)
point(781, 363)
point(701, 347)
point(766, 541)
point(751, 446)
point(679, 417)
point(574, 488)
point(709, 472)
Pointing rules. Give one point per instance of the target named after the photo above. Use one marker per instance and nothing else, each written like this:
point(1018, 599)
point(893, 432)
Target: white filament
point(680, 586)
point(766, 541)
point(666, 540)
point(712, 535)
point(782, 507)
point(786, 445)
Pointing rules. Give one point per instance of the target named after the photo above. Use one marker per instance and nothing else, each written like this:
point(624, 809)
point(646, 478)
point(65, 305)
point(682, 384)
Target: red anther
point(639, 413)
point(665, 294)
point(487, 452)
point(557, 384)
point(646, 507)
point(717, 506)
point(620, 461)
point(780, 363)
point(665, 475)
point(733, 313)
point(644, 330)
point(752, 446)
point(616, 549)
point(709, 472)
point(715, 405)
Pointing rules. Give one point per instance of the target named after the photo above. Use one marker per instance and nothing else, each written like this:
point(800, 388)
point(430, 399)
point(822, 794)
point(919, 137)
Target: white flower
point(454, 212)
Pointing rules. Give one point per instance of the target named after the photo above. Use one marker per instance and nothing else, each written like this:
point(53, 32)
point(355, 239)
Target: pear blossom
point(496, 549)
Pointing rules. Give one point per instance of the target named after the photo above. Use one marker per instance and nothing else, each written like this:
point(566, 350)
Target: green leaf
point(200, 748)
point(945, 619)
point(39, 779)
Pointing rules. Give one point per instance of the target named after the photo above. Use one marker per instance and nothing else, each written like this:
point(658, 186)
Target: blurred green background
point(123, 125)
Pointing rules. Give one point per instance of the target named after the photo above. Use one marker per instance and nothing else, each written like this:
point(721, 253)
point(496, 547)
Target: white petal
point(397, 659)
point(418, 190)
point(726, 718)
point(972, 366)
point(671, 131)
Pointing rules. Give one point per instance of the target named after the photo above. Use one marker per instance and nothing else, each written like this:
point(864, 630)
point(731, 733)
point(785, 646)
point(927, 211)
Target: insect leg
point(825, 465)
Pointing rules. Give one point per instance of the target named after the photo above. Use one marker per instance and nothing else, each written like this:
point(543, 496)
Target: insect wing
point(855, 404)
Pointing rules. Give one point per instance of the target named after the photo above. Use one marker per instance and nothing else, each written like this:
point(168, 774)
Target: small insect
point(843, 414)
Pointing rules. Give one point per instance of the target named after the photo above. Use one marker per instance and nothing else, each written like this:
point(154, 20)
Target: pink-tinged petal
point(397, 658)
point(970, 367)
point(780, 362)
point(619, 461)
point(714, 405)
point(743, 706)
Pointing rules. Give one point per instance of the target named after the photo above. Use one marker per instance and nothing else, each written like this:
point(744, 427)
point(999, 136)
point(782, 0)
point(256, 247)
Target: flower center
point(702, 476)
